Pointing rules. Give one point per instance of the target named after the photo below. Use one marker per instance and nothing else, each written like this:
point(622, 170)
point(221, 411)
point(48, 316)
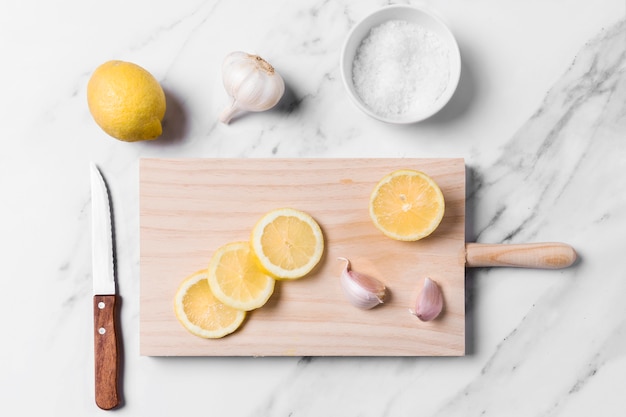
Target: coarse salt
point(400, 68)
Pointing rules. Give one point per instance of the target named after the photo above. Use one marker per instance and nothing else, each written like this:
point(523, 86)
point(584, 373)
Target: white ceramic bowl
point(426, 20)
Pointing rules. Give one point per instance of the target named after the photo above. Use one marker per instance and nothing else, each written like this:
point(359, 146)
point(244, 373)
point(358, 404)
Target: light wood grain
point(548, 255)
point(190, 207)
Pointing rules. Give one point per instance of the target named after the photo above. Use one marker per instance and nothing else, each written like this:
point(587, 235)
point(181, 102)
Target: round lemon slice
point(407, 205)
point(288, 243)
point(202, 314)
point(236, 279)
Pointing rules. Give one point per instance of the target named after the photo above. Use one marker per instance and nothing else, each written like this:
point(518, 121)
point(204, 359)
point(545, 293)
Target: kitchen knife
point(106, 358)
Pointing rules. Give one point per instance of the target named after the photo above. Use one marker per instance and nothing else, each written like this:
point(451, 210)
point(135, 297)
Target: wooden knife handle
point(106, 358)
point(531, 255)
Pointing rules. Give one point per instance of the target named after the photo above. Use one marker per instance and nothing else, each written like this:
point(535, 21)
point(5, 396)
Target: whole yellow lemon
point(126, 101)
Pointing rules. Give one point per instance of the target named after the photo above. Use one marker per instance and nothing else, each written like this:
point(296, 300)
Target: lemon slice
point(236, 279)
point(288, 243)
point(407, 205)
point(201, 313)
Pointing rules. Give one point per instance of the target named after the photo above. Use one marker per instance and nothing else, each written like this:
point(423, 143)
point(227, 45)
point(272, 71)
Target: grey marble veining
point(561, 145)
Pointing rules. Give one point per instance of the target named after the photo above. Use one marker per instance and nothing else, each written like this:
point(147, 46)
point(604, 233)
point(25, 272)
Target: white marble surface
point(539, 116)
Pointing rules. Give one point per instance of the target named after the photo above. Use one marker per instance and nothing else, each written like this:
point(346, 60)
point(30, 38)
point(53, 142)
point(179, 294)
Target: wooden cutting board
point(190, 207)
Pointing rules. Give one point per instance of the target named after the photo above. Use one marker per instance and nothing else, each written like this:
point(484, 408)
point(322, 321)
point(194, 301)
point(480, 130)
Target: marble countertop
point(539, 116)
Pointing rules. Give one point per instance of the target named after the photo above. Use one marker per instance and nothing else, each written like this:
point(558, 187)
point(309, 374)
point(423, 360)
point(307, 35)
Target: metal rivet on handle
point(102, 330)
point(101, 305)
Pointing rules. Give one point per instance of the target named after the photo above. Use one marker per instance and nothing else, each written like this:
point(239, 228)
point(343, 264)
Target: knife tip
point(94, 168)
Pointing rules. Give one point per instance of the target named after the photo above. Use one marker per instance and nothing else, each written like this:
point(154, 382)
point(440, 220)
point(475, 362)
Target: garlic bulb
point(361, 290)
point(252, 82)
point(429, 302)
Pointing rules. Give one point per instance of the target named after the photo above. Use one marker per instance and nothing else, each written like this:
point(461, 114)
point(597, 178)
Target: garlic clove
point(251, 82)
point(361, 290)
point(430, 301)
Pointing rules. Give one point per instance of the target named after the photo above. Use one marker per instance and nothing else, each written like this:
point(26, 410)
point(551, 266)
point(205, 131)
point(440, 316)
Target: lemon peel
point(126, 101)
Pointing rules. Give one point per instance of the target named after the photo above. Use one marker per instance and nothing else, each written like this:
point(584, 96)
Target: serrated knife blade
point(106, 358)
point(102, 236)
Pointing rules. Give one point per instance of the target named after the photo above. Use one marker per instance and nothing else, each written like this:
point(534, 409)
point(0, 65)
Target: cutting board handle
point(549, 255)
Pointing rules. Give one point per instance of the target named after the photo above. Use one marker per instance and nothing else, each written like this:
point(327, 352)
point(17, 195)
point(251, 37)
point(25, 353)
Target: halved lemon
point(236, 279)
point(407, 205)
point(288, 243)
point(201, 313)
